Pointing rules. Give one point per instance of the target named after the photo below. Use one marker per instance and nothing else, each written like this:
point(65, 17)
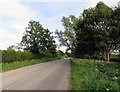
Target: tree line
point(95, 32)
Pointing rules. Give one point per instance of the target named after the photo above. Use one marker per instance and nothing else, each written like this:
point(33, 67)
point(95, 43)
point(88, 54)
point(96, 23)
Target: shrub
point(115, 58)
point(9, 56)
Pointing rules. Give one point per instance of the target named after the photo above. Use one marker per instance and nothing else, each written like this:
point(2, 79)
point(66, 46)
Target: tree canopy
point(67, 37)
point(96, 31)
point(37, 39)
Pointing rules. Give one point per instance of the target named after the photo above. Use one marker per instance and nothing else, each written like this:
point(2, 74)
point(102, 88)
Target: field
point(18, 64)
point(94, 75)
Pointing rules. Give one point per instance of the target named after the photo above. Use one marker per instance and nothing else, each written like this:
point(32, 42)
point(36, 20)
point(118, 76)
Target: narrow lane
point(53, 75)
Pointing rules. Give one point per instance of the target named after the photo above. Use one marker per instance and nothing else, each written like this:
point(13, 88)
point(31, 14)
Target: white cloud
point(6, 38)
point(11, 30)
point(19, 15)
point(15, 9)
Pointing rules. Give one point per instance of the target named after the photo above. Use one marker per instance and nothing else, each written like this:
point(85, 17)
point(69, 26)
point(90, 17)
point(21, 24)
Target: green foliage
point(69, 54)
point(9, 56)
point(115, 58)
point(38, 40)
point(67, 37)
point(26, 55)
point(94, 75)
point(96, 31)
point(60, 53)
point(16, 64)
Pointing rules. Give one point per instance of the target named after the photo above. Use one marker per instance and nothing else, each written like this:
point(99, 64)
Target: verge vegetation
point(18, 64)
point(94, 75)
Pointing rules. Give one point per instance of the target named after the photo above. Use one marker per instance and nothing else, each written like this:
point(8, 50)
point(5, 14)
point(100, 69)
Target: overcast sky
point(15, 15)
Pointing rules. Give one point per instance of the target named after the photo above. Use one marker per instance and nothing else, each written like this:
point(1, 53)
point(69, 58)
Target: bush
point(49, 55)
point(9, 56)
point(60, 53)
point(115, 58)
point(69, 54)
point(27, 56)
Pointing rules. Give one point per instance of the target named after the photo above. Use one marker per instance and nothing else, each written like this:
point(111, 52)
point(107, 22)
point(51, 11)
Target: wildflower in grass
point(117, 71)
point(99, 60)
point(102, 60)
point(96, 69)
point(107, 88)
point(115, 78)
point(102, 64)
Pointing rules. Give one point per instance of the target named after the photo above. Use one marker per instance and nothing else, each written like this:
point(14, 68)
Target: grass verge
point(18, 64)
point(94, 75)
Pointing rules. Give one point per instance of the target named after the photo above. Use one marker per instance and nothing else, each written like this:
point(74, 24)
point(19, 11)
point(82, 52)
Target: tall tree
point(108, 34)
point(115, 28)
point(67, 37)
point(37, 39)
point(99, 30)
point(84, 39)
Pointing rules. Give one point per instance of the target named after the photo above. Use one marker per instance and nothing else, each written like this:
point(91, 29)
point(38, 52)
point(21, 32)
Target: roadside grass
point(18, 64)
point(95, 75)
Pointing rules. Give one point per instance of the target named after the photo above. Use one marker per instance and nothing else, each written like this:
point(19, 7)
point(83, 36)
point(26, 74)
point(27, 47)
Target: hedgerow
point(9, 56)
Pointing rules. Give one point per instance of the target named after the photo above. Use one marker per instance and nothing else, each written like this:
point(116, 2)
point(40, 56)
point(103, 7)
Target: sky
point(15, 15)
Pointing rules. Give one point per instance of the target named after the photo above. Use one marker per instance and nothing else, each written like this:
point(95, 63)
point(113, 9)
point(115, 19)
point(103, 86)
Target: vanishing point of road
point(53, 75)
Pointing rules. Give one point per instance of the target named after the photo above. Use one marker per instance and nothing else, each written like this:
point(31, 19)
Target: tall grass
point(94, 75)
point(19, 64)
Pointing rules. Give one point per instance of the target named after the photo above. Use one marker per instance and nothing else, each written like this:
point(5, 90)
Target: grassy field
point(18, 64)
point(95, 75)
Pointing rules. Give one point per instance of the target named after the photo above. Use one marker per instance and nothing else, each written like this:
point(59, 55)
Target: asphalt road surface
point(53, 75)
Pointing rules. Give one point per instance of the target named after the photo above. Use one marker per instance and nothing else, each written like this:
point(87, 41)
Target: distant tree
point(12, 47)
point(37, 39)
point(67, 37)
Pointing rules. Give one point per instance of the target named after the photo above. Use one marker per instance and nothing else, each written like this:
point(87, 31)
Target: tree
point(115, 28)
point(67, 37)
point(99, 30)
point(84, 39)
point(12, 47)
point(37, 39)
point(108, 29)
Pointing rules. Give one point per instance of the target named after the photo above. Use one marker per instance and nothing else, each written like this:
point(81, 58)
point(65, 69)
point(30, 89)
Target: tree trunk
point(89, 56)
point(108, 56)
point(105, 56)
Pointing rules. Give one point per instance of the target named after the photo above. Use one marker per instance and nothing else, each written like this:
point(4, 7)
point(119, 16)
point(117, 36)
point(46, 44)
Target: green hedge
point(9, 56)
point(115, 58)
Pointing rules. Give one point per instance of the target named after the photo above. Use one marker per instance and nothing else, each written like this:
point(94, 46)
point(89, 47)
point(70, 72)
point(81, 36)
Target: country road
point(53, 75)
